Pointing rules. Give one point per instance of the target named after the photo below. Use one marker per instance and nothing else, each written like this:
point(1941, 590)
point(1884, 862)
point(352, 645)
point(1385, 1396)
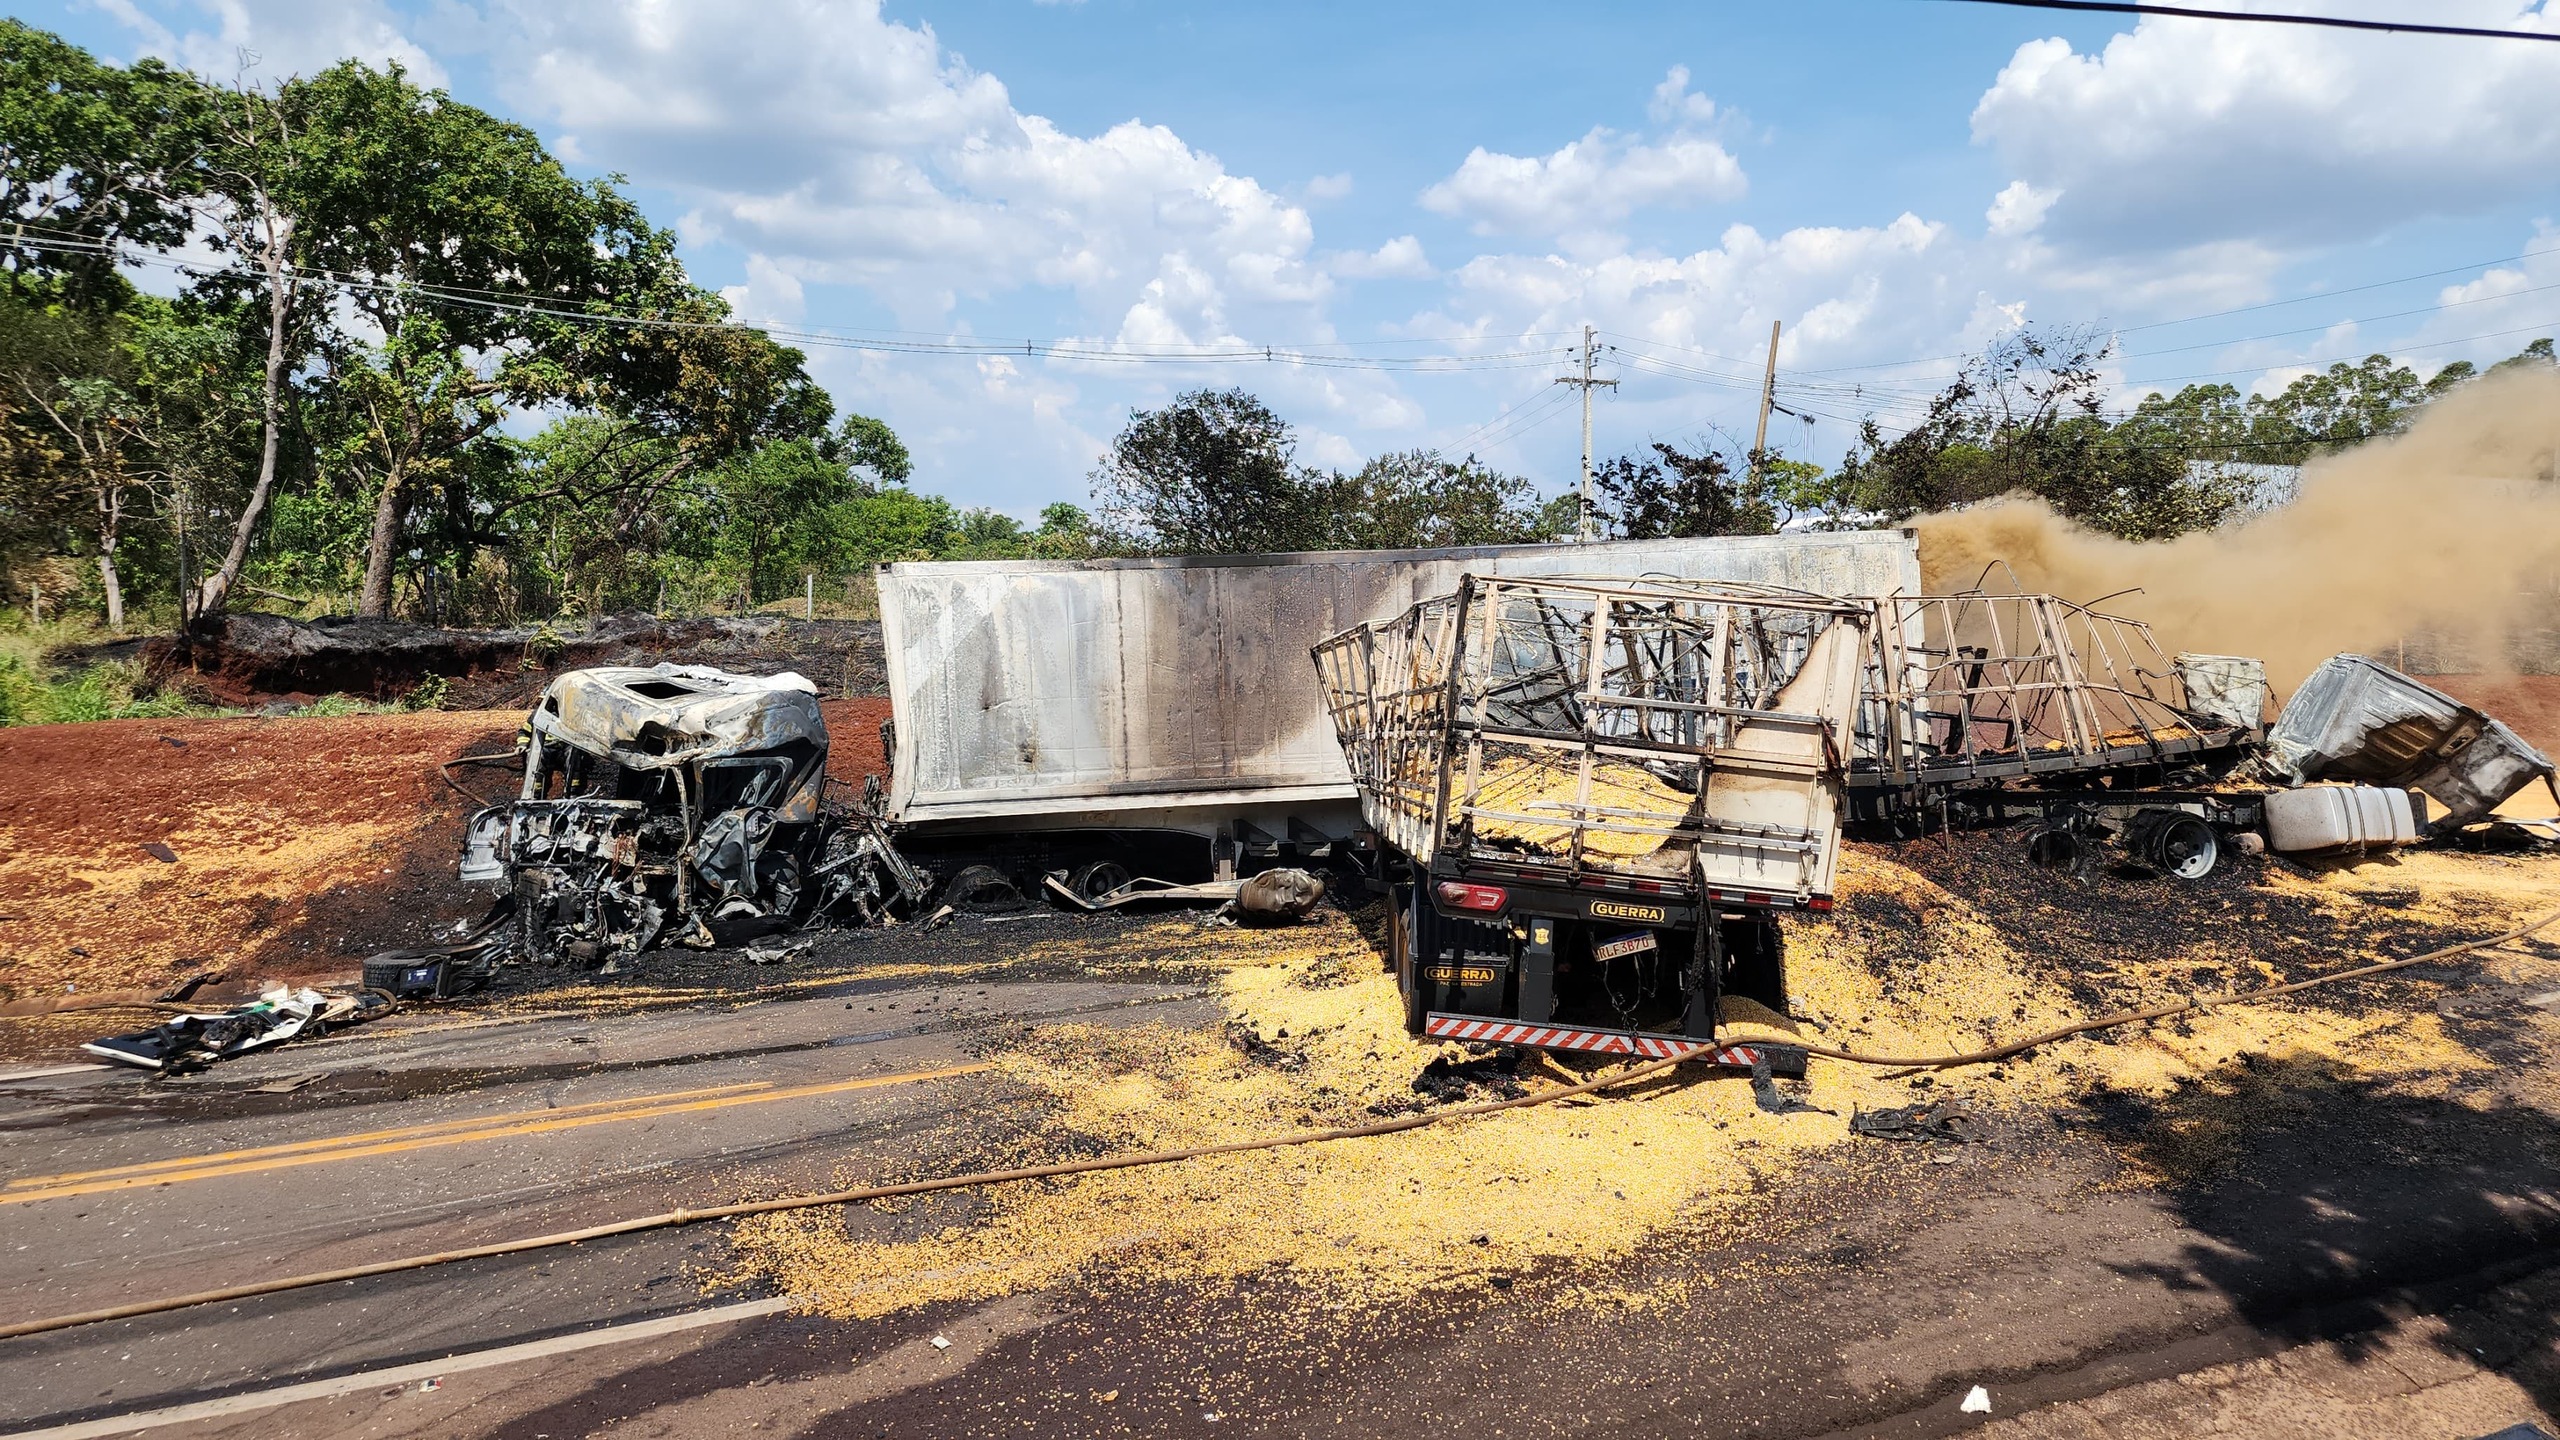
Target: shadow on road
point(2325, 1200)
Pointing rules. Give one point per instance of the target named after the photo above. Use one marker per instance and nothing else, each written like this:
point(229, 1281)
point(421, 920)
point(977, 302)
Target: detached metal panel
point(1030, 687)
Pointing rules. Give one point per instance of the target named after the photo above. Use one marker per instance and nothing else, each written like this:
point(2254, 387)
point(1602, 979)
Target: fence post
point(809, 595)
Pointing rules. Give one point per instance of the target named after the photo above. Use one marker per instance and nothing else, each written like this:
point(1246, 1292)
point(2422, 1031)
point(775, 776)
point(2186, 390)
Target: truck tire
point(1755, 966)
point(2175, 843)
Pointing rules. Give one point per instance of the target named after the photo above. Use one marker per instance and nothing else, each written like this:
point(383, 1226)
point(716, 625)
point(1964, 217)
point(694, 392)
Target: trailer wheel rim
point(2187, 848)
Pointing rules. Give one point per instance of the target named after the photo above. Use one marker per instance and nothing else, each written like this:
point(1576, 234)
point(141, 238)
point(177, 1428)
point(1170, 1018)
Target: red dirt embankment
point(301, 844)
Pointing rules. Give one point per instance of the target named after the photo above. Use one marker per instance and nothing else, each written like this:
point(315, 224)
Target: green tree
point(92, 157)
point(2333, 408)
point(1674, 494)
point(2537, 353)
point(1213, 473)
point(2027, 417)
point(468, 256)
point(1417, 498)
point(1066, 533)
point(69, 374)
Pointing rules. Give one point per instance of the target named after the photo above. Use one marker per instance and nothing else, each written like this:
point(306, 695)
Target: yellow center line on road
point(434, 1137)
point(468, 1122)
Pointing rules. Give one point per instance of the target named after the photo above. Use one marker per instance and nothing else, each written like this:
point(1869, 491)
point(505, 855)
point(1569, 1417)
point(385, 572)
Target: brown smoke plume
point(2448, 527)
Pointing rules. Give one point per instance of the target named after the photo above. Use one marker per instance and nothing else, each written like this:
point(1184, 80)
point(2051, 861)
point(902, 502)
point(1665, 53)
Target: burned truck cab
point(653, 803)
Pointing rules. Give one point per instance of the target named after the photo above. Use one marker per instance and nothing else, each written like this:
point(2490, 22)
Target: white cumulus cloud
point(1598, 180)
point(2189, 132)
point(1398, 259)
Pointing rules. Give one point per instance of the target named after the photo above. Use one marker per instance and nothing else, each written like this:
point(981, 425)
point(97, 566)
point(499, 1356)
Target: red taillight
point(1460, 895)
point(1818, 902)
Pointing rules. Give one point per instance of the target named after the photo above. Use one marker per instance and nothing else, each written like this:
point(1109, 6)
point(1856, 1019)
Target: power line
point(2332, 294)
point(551, 308)
point(2334, 22)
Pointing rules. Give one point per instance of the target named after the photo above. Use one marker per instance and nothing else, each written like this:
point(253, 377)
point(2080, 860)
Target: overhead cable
point(2264, 17)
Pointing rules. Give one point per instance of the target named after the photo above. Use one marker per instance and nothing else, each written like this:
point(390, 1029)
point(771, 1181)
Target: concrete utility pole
point(1768, 397)
point(1590, 352)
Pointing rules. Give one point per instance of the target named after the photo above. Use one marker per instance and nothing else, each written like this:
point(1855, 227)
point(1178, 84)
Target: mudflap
point(1461, 966)
point(1755, 961)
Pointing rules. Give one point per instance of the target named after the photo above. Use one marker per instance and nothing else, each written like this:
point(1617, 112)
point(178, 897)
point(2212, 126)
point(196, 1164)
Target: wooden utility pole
point(1584, 532)
point(1768, 397)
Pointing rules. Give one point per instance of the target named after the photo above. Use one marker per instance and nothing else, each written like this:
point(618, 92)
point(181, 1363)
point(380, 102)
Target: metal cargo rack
point(1658, 735)
point(1974, 689)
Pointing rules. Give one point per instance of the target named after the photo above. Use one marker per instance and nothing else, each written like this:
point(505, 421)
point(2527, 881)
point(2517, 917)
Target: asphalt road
point(1888, 1282)
point(441, 1136)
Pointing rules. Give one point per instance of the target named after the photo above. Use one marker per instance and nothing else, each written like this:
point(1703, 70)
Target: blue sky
point(1895, 181)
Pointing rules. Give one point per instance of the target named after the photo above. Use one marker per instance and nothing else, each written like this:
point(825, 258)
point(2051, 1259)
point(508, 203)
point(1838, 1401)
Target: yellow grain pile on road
point(1903, 966)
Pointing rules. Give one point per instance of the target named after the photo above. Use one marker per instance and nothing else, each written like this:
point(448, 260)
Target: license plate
point(1635, 944)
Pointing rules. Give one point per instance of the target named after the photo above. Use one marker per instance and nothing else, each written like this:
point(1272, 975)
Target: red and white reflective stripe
point(1573, 1037)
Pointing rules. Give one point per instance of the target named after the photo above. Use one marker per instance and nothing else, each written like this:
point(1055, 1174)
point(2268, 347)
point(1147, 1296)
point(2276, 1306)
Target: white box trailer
point(1178, 694)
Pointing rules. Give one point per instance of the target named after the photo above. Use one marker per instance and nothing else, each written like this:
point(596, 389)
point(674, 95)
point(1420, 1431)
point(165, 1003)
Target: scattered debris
point(287, 1084)
point(172, 741)
point(2358, 719)
point(1451, 1081)
point(1277, 897)
point(1977, 1401)
point(1264, 1052)
point(440, 972)
point(1950, 1119)
point(939, 1343)
point(777, 954)
point(1766, 1094)
point(1144, 891)
point(188, 1042)
point(160, 852)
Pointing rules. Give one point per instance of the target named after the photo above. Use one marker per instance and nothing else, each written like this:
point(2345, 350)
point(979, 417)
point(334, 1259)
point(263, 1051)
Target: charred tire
point(2175, 843)
point(1097, 879)
point(1755, 966)
point(2053, 848)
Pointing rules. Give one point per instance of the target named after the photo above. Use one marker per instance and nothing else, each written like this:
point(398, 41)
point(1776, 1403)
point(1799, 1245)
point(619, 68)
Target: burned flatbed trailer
point(1981, 708)
point(1597, 795)
point(1576, 779)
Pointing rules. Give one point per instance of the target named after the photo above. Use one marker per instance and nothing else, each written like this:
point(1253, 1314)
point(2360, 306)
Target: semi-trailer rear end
point(1595, 796)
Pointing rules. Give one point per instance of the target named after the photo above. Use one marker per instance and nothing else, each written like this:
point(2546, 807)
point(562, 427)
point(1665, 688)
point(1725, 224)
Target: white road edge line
point(404, 1374)
point(50, 1070)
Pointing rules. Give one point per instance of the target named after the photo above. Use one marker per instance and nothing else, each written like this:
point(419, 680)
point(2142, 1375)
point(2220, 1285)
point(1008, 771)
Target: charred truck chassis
point(655, 802)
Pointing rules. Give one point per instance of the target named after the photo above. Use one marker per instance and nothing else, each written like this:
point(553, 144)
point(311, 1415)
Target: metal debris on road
point(188, 1042)
point(1949, 1119)
point(777, 953)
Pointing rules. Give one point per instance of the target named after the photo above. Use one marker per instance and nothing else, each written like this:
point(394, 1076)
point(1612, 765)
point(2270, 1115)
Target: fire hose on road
point(673, 1218)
